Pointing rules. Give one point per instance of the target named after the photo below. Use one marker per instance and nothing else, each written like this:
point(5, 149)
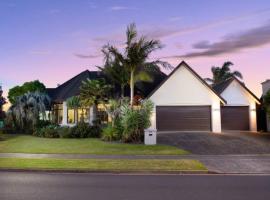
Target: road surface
point(75, 186)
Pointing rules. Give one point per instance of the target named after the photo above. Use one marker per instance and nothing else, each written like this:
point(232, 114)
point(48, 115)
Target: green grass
point(101, 164)
point(31, 144)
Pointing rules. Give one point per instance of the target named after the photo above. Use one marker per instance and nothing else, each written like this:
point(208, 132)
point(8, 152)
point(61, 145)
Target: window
point(83, 115)
point(71, 116)
point(57, 113)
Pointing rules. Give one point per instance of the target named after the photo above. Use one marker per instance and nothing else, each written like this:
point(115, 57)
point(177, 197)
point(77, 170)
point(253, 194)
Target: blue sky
point(53, 40)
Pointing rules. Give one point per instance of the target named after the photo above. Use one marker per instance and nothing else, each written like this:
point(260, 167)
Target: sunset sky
point(53, 40)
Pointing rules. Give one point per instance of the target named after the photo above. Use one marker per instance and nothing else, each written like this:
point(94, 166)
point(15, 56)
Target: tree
point(93, 92)
point(74, 103)
point(114, 70)
point(32, 86)
point(266, 101)
point(222, 73)
point(28, 108)
point(2, 102)
point(135, 57)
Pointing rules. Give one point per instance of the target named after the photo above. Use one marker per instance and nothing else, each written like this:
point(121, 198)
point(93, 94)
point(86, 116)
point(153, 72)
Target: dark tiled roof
point(220, 87)
point(72, 87)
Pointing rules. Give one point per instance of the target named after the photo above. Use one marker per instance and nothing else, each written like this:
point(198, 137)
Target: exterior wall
point(184, 88)
point(265, 89)
point(265, 86)
point(268, 122)
point(236, 95)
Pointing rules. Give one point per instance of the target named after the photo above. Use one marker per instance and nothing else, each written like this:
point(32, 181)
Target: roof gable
point(223, 86)
point(193, 74)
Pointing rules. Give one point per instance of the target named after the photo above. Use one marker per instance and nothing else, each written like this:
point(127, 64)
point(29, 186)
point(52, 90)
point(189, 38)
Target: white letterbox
point(150, 136)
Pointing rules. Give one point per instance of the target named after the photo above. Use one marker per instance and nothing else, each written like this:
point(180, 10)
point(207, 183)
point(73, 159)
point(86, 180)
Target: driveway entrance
point(207, 143)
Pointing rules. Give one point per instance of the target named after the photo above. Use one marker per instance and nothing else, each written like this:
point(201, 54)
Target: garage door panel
point(235, 118)
point(183, 118)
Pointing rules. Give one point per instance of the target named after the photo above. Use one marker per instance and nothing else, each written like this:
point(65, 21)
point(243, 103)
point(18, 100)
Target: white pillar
point(216, 118)
point(153, 119)
point(252, 117)
point(91, 114)
point(65, 114)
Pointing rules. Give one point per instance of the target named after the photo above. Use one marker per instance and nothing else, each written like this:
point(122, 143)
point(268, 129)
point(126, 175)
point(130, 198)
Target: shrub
point(84, 130)
point(110, 133)
point(50, 131)
point(134, 121)
point(64, 132)
point(43, 123)
point(95, 132)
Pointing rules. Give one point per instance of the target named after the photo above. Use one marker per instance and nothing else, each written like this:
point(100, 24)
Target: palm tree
point(74, 103)
point(135, 57)
point(93, 92)
point(115, 71)
point(28, 108)
point(223, 73)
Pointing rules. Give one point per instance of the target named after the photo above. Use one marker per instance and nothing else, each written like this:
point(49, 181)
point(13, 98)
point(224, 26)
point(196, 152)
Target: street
point(79, 186)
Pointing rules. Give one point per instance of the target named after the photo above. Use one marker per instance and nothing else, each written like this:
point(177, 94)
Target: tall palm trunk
point(122, 91)
point(131, 87)
point(76, 115)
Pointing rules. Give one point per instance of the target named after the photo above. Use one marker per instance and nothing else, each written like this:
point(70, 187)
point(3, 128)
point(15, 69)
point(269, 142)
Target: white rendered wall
point(236, 95)
point(184, 88)
point(65, 113)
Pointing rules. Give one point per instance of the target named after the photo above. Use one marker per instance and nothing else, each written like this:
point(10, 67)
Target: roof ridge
point(194, 73)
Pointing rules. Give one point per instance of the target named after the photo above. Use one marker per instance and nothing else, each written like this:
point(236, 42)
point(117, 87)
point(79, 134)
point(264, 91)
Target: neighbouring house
point(185, 102)
point(61, 114)
point(265, 117)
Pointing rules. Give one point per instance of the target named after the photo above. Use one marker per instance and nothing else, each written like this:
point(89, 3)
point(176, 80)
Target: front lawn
point(31, 144)
point(102, 164)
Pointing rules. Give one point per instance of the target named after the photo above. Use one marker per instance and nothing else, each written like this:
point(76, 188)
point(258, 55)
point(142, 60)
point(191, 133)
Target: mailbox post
point(150, 136)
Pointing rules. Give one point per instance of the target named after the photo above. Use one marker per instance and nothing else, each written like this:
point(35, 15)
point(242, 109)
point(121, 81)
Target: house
point(61, 114)
point(265, 117)
point(185, 102)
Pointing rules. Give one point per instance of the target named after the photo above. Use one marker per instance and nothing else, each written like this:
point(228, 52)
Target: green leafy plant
point(134, 121)
point(222, 73)
point(110, 133)
point(50, 131)
point(27, 110)
point(32, 86)
point(84, 130)
point(93, 92)
point(266, 101)
point(134, 58)
point(64, 132)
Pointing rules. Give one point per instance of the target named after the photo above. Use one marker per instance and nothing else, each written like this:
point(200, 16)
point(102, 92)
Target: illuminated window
point(71, 116)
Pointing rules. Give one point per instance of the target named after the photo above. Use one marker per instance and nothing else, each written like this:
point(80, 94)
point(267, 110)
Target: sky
point(53, 40)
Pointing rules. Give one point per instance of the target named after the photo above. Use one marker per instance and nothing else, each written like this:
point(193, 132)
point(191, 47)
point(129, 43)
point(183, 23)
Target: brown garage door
point(235, 118)
point(183, 118)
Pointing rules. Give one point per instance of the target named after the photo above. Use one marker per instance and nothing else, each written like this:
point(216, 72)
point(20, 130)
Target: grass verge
point(31, 144)
point(102, 164)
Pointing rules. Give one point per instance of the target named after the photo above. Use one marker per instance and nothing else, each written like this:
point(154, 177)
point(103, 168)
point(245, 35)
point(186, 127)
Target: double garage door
point(198, 118)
